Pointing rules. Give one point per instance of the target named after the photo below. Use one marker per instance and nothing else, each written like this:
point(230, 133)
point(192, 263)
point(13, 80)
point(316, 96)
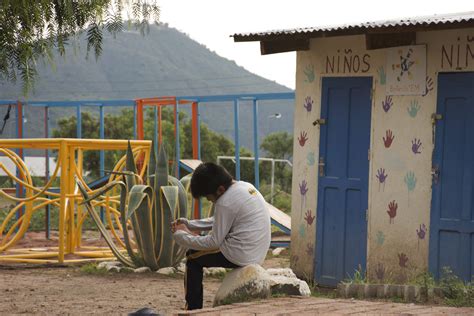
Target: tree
point(279, 145)
point(30, 30)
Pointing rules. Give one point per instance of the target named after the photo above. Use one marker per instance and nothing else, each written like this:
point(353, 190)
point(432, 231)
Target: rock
point(286, 272)
point(113, 269)
point(181, 267)
point(142, 270)
point(166, 271)
point(214, 271)
point(105, 264)
point(277, 251)
point(289, 286)
point(127, 269)
point(244, 284)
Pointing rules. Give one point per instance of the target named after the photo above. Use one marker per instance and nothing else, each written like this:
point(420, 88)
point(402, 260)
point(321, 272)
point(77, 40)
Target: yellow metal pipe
point(30, 256)
point(63, 190)
point(70, 208)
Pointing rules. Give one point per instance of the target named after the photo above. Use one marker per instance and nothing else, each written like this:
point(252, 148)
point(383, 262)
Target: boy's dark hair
point(207, 178)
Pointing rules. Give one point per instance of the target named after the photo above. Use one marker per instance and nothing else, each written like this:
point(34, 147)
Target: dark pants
point(193, 280)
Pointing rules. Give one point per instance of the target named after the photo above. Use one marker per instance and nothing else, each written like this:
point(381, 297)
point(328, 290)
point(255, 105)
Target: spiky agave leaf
point(169, 203)
point(130, 167)
point(98, 221)
point(161, 179)
point(140, 209)
point(180, 211)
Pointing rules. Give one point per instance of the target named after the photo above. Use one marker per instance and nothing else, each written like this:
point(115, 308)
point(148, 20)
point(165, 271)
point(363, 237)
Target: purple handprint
point(415, 146)
point(387, 104)
point(309, 250)
point(308, 104)
point(382, 177)
point(303, 190)
point(421, 233)
point(429, 85)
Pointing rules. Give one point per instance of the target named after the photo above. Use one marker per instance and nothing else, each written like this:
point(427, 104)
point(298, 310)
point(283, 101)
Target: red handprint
point(303, 138)
point(392, 211)
point(389, 138)
point(402, 260)
point(308, 218)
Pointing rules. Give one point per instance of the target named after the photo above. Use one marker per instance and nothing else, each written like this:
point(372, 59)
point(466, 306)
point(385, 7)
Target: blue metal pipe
point(177, 147)
point(155, 134)
point(255, 144)
point(237, 139)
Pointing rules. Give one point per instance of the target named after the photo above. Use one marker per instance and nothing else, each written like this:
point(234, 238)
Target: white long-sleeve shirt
point(240, 226)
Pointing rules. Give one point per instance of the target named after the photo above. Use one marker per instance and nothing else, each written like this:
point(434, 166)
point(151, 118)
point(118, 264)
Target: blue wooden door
point(341, 240)
point(452, 206)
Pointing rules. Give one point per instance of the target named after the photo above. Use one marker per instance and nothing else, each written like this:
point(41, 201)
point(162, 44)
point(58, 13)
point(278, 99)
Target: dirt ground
point(68, 290)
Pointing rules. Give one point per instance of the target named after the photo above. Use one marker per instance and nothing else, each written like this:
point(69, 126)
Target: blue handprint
point(302, 230)
point(382, 75)
point(410, 181)
point(380, 237)
point(309, 73)
point(413, 108)
point(310, 158)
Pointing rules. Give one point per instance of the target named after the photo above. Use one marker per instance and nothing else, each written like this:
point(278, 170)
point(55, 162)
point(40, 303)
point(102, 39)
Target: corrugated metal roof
point(433, 20)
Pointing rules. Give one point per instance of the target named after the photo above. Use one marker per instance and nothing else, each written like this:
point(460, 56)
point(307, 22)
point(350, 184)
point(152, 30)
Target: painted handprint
point(302, 230)
point(413, 108)
point(303, 138)
point(415, 146)
point(310, 158)
point(308, 104)
point(303, 187)
point(388, 139)
point(303, 190)
point(309, 250)
point(382, 75)
point(402, 260)
point(410, 181)
point(380, 271)
point(387, 104)
point(309, 73)
point(392, 211)
point(421, 233)
point(380, 238)
point(429, 85)
point(382, 177)
point(308, 218)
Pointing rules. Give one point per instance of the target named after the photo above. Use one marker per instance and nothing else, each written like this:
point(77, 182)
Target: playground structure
point(69, 165)
point(71, 214)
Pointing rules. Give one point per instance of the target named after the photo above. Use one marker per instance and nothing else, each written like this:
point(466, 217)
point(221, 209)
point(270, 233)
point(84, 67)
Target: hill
point(165, 62)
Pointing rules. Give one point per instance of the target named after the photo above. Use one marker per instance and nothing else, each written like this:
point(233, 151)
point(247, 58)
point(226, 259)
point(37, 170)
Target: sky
point(211, 22)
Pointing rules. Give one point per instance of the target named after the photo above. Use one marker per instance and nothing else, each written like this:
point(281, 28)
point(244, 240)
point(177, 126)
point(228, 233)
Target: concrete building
point(383, 170)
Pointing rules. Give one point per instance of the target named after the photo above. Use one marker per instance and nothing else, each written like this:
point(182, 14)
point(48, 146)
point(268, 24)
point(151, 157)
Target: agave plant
point(148, 206)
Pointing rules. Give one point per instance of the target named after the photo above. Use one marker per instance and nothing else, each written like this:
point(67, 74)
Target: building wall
point(397, 248)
